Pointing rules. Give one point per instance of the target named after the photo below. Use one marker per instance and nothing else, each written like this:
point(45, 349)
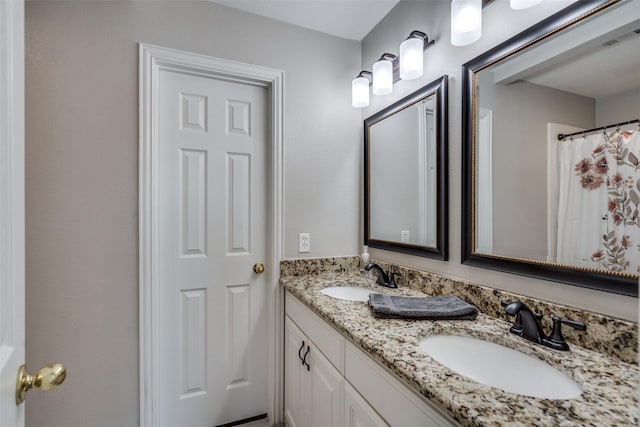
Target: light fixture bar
point(387, 66)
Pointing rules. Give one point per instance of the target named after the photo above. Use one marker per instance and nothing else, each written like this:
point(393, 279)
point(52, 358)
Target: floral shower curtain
point(599, 201)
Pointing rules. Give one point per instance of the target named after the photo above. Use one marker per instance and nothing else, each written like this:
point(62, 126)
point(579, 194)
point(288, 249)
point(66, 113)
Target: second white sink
point(500, 367)
point(348, 293)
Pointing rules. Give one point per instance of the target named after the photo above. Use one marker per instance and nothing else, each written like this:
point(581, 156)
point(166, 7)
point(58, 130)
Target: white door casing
point(12, 258)
point(156, 62)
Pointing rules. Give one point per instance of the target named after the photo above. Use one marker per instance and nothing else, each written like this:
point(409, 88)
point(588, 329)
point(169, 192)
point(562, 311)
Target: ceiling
point(592, 74)
point(596, 59)
point(349, 19)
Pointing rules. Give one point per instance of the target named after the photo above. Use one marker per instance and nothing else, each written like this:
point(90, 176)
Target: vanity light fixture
point(360, 89)
point(523, 4)
point(466, 18)
point(466, 21)
point(391, 68)
point(412, 55)
point(383, 74)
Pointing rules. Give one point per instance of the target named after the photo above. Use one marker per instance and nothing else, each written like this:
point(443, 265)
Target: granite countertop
point(610, 387)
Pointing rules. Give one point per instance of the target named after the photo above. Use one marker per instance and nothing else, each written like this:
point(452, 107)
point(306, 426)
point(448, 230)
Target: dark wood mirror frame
point(576, 276)
point(438, 87)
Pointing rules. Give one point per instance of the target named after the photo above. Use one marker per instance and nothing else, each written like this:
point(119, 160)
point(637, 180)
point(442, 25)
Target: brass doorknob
point(258, 268)
point(47, 378)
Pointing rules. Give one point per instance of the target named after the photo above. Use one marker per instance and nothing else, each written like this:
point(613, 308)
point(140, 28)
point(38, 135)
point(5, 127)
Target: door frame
point(152, 60)
point(12, 211)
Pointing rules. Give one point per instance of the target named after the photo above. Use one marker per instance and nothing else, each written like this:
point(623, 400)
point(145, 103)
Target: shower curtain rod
point(562, 136)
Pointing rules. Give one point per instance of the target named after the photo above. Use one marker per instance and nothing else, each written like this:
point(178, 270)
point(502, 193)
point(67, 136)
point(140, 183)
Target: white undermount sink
point(348, 293)
point(500, 367)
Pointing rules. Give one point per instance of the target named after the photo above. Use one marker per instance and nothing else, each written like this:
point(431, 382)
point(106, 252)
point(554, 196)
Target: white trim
point(152, 59)
point(427, 232)
point(484, 219)
point(12, 208)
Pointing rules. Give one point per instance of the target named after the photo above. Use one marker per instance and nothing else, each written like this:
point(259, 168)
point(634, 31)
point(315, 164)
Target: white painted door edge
point(152, 59)
point(12, 212)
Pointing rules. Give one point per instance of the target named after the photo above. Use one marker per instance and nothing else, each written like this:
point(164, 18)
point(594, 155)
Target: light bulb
point(382, 77)
point(523, 4)
point(411, 58)
point(466, 21)
point(360, 92)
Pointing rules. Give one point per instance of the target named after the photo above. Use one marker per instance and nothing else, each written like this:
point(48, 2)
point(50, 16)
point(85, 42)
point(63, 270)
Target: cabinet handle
point(300, 356)
point(304, 359)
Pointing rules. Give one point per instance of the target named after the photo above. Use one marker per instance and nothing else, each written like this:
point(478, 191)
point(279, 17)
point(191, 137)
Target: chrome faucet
point(528, 326)
point(384, 278)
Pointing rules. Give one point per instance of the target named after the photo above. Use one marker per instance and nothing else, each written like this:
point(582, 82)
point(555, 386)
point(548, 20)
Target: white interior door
point(212, 231)
point(11, 208)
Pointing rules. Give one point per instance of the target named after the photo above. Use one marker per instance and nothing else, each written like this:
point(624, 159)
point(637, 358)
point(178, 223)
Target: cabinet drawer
point(329, 341)
point(357, 412)
point(396, 403)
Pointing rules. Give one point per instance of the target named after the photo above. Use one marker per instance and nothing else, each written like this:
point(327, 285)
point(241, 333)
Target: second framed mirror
point(405, 182)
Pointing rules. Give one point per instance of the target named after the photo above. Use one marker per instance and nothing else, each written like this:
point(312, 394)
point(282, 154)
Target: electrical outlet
point(404, 236)
point(304, 242)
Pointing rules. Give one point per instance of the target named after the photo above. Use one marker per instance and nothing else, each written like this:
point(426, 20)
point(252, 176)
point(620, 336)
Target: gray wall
point(82, 176)
point(520, 158)
point(618, 108)
point(499, 23)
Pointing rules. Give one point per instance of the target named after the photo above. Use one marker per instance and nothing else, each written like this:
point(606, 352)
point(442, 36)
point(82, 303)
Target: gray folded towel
point(445, 307)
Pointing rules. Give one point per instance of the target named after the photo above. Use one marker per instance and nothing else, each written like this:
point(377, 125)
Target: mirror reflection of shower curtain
point(598, 201)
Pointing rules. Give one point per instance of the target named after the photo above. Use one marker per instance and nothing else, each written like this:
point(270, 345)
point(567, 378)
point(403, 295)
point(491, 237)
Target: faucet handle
point(575, 324)
point(392, 279)
point(556, 339)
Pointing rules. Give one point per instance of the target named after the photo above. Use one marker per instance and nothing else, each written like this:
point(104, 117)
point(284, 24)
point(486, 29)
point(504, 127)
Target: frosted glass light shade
point(360, 92)
point(523, 4)
point(382, 77)
point(466, 21)
point(411, 58)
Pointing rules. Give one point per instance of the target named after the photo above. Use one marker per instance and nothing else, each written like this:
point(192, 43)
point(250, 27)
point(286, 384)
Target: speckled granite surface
point(310, 266)
point(610, 387)
point(612, 337)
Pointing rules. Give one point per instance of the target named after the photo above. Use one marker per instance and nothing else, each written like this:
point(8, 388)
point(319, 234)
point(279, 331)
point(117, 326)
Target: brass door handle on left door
point(47, 378)
point(258, 268)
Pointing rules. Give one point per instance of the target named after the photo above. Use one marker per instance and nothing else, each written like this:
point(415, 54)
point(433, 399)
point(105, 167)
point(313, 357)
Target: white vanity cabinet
point(357, 412)
point(294, 374)
point(314, 389)
point(342, 385)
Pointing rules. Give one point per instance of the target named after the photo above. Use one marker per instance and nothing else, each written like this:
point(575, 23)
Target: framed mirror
point(405, 167)
point(536, 202)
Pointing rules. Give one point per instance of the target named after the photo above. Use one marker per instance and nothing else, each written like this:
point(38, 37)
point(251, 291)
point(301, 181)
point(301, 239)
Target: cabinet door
point(357, 412)
point(295, 375)
point(326, 391)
